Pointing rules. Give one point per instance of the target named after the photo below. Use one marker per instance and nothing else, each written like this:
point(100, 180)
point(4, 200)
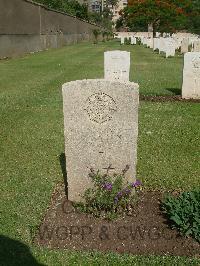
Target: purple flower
point(107, 186)
point(116, 200)
point(119, 194)
point(127, 191)
point(132, 184)
point(137, 183)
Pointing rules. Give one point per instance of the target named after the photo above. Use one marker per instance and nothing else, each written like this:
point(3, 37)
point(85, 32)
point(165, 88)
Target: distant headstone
point(155, 43)
point(122, 40)
point(101, 129)
point(177, 42)
point(150, 42)
point(170, 48)
point(196, 46)
point(184, 45)
point(117, 65)
point(144, 41)
point(191, 76)
point(157, 34)
point(162, 45)
point(133, 40)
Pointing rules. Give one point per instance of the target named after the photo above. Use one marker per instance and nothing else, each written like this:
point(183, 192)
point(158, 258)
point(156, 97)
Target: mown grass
point(31, 140)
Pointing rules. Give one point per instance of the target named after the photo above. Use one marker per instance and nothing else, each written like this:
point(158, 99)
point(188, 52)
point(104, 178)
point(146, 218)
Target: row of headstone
point(133, 40)
point(191, 71)
point(169, 45)
point(101, 124)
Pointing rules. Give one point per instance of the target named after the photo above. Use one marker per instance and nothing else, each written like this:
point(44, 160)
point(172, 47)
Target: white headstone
point(191, 76)
point(149, 42)
point(196, 46)
point(101, 129)
point(170, 47)
point(144, 41)
point(157, 34)
point(117, 65)
point(155, 43)
point(122, 40)
point(133, 40)
point(162, 44)
point(184, 45)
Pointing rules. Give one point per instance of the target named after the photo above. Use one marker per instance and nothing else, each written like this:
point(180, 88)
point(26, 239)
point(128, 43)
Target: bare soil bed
point(146, 231)
point(168, 98)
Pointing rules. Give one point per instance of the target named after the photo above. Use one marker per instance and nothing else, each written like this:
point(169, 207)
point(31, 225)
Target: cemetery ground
point(32, 144)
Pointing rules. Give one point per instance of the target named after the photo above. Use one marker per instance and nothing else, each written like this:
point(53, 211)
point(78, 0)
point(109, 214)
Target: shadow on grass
point(15, 253)
point(64, 172)
point(175, 91)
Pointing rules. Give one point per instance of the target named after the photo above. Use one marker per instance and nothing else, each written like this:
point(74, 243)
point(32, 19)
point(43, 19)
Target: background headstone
point(170, 48)
point(133, 40)
point(184, 45)
point(117, 65)
point(162, 44)
point(191, 76)
point(101, 129)
point(196, 46)
point(155, 43)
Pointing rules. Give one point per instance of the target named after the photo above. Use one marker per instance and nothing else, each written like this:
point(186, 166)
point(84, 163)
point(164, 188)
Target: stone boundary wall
point(27, 27)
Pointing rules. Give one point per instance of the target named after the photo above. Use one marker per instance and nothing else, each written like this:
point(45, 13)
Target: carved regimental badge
point(100, 107)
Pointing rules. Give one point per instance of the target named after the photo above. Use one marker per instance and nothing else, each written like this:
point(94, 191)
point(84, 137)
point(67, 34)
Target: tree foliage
point(73, 7)
point(164, 15)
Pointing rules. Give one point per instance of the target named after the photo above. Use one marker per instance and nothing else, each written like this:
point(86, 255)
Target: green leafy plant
point(104, 35)
point(184, 212)
point(96, 33)
point(110, 195)
point(138, 41)
point(127, 40)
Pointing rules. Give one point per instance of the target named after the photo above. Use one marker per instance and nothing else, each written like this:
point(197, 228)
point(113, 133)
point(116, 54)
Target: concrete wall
point(26, 27)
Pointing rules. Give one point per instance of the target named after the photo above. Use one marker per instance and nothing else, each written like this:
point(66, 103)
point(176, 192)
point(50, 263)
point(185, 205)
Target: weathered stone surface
point(170, 48)
point(149, 42)
point(196, 46)
point(155, 43)
point(100, 128)
point(184, 45)
point(162, 45)
point(117, 65)
point(133, 40)
point(191, 76)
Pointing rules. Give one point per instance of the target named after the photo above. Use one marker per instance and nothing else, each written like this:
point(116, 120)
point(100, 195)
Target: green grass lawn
point(31, 140)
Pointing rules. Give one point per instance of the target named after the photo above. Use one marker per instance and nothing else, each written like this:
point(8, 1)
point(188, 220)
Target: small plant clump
point(127, 41)
point(184, 212)
point(109, 197)
point(138, 41)
point(96, 33)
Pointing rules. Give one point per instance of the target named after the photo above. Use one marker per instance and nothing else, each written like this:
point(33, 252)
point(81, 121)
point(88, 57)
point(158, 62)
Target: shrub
point(109, 196)
point(104, 35)
point(184, 212)
point(96, 33)
point(127, 40)
point(138, 41)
